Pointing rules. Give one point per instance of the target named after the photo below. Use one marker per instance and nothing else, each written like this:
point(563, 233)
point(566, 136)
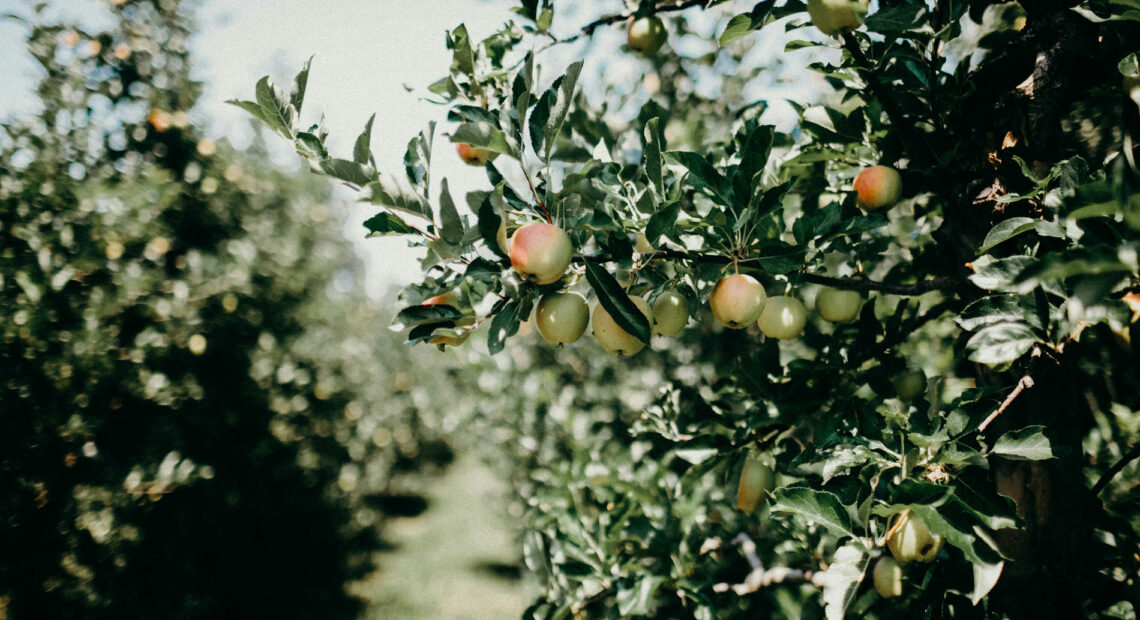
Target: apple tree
point(905, 384)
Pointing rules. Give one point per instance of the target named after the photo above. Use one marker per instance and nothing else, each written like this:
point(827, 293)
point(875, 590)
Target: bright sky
point(365, 52)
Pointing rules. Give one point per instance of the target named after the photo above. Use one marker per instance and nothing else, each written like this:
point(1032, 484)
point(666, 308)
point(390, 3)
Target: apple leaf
point(414, 316)
point(842, 578)
point(985, 578)
point(347, 171)
point(1001, 343)
point(820, 506)
point(300, 83)
point(361, 150)
point(615, 300)
point(704, 176)
point(1006, 230)
point(482, 135)
point(383, 224)
point(450, 225)
point(651, 156)
point(278, 112)
point(1027, 444)
point(560, 107)
point(503, 326)
point(387, 191)
point(489, 223)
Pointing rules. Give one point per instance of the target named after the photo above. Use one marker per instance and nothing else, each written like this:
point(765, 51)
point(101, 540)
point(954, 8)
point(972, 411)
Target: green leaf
point(1027, 444)
point(276, 109)
point(361, 151)
point(463, 56)
point(560, 107)
point(985, 578)
point(738, 27)
point(489, 223)
point(999, 274)
point(310, 146)
point(615, 300)
point(254, 109)
point(995, 309)
point(1005, 230)
point(1001, 343)
point(842, 578)
point(414, 316)
point(651, 155)
point(704, 176)
point(417, 160)
point(503, 326)
point(896, 19)
point(300, 83)
point(450, 227)
point(662, 222)
point(637, 600)
point(539, 117)
point(387, 191)
point(482, 135)
point(347, 171)
point(820, 506)
point(384, 224)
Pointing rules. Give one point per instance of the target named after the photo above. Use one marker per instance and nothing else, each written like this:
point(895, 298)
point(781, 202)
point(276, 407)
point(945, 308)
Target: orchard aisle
point(449, 562)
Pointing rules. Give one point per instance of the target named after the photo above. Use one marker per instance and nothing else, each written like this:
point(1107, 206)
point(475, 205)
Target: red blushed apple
point(473, 156)
point(737, 301)
point(877, 187)
point(541, 252)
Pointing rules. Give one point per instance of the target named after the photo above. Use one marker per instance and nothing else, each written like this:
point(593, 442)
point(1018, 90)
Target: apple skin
point(910, 385)
point(474, 156)
point(913, 542)
point(838, 305)
point(670, 313)
point(562, 317)
point(783, 317)
point(888, 577)
point(541, 252)
point(646, 34)
point(877, 187)
point(612, 337)
point(834, 17)
point(756, 479)
point(737, 301)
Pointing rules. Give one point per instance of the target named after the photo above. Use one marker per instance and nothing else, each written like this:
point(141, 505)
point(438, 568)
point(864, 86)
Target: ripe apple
point(783, 317)
point(670, 313)
point(834, 17)
point(838, 305)
point(877, 187)
point(888, 577)
point(910, 385)
point(912, 541)
point(737, 301)
point(474, 156)
point(612, 337)
point(646, 34)
point(541, 252)
point(561, 317)
point(756, 479)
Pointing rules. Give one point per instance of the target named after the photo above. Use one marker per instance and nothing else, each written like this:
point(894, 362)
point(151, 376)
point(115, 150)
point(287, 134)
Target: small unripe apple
point(912, 541)
point(756, 479)
point(737, 301)
point(910, 385)
point(670, 313)
point(541, 252)
point(783, 317)
point(646, 34)
point(888, 577)
point(474, 156)
point(612, 337)
point(561, 317)
point(838, 305)
point(834, 17)
point(877, 187)
point(501, 236)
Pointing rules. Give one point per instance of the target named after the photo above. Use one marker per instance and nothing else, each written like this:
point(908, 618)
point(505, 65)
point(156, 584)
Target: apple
point(646, 34)
point(670, 313)
point(612, 337)
point(641, 244)
point(450, 337)
point(838, 305)
point(877, 187)
point(888, 577)
point(783, 317)
point(561, 317)
point(910, 385)
point(501, 236)
point(834, 17)
point(737, 301)
point(756, 479)
point(541, 252)
point(474, 156)
point(912, 541)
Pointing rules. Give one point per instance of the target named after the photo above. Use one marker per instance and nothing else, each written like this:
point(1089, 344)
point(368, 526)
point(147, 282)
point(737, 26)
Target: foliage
point(1008, 274)
point(197, 418)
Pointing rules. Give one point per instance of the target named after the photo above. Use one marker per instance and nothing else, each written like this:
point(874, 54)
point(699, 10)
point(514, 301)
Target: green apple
point(670, 313)
point(612, 337)
point(541, 252)
point(783, 317)
point(877, 187)
point(912, 541)
point(910, 385)
point(834, 17)
point(562, 317)
point(838, 305)
point(646, 34)
point(756, 478)
point(888, 577)
point(737, 301)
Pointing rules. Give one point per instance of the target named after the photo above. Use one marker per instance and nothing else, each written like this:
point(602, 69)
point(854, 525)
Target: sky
point(364, 53)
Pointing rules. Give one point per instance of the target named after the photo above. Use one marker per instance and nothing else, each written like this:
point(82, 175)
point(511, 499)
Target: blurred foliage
point(200, 416)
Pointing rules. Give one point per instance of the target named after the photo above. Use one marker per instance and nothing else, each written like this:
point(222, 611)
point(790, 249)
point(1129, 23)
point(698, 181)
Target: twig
point(1024, 383)
point(588, 29)
point(1117, 467)
point(759, 577)
point(534, 193)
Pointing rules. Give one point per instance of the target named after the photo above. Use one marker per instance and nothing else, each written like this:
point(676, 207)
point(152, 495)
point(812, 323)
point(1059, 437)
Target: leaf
point(361, 151)
point(1001, 343)
point(738, 27)
point(348, 171)
point(896, 19)
point(384, 223)
point(662, 222)
point(414, 316)
point(489, 223)
point(450, 226)
point(482, 135)
point(999, 274)
point(704, 175)
point(651, 155)
point(310, 146)
point(277, 111)
point(615, 300)
point(996, 309)
point(463, 57)
point(1005, 230)
point(985, 578)
point(820, 506)
point(1027, 444)
point(387, 191)
point(561, 106)
point(417, 160)
point(300, 83)
point(503, 326)
point(755, 147)
point(637, 600)
point(254, 109)
point(540, 116)
point(842, 578)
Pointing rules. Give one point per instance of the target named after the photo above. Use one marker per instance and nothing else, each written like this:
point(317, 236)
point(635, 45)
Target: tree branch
point(588, 29)
point(1117, 467)
point(1023, 384)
